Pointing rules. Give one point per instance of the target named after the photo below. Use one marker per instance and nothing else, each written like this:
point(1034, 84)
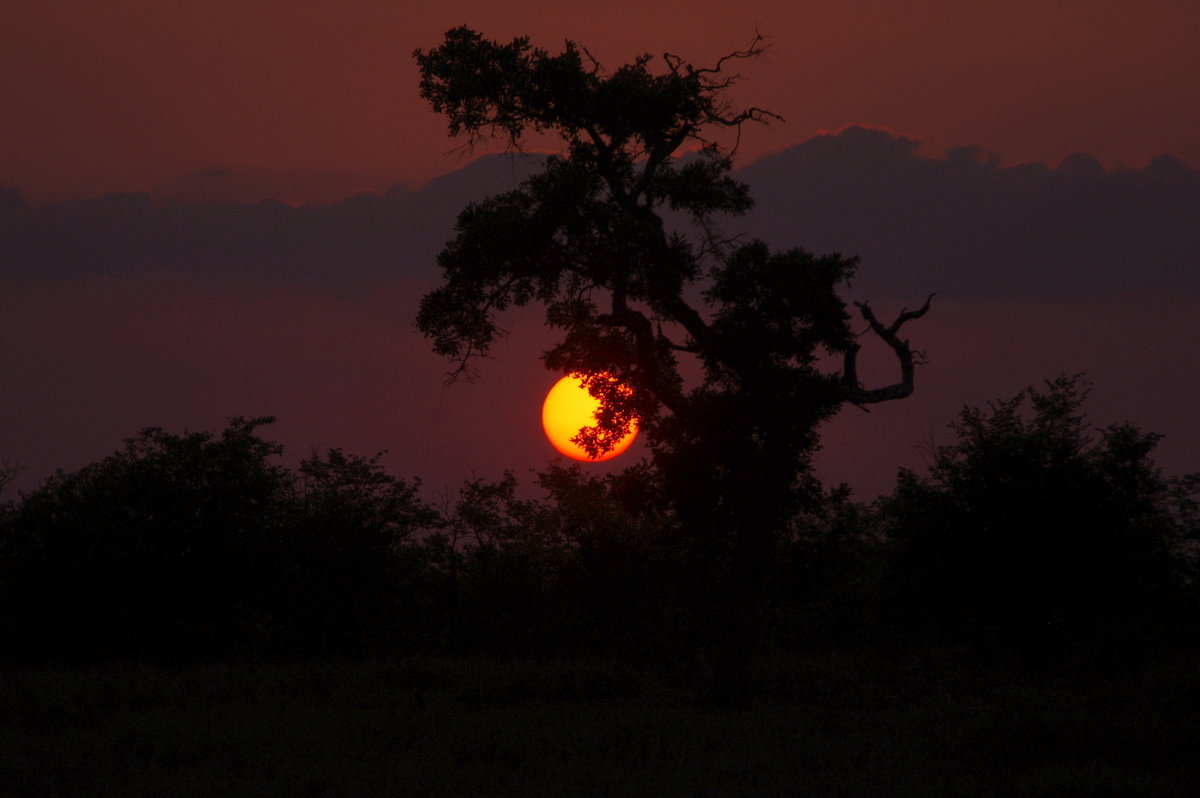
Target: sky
point(318, 96)
point(1033, 163)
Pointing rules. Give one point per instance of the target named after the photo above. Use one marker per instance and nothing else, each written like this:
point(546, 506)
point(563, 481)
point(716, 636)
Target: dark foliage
point(641, 306)
point(1034, 534)
point(586, 568)
point(825, 588)
point(1038, 534)
point(353, 576)
point(161, 547)
point(195, 545)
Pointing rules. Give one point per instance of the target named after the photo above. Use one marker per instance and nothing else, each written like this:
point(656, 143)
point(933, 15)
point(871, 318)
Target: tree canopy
point(635, 294)
point(587, 238)
point(198, 544)
point(1037, 531)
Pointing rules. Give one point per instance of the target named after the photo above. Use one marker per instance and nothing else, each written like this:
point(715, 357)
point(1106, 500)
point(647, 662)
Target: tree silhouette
point(636, 299)
point(201, 545)
point(1035, 532)
point(160, 548)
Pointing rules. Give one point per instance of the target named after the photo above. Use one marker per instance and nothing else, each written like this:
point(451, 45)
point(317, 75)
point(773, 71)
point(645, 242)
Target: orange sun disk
point(568, 409)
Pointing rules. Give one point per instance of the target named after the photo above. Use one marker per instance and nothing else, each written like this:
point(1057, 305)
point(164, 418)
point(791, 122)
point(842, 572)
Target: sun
point(569, 408)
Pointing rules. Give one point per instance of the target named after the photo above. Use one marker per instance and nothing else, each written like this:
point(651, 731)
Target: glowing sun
point(568, 409)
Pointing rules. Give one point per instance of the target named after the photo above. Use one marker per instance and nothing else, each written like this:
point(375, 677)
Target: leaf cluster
point(485, 87)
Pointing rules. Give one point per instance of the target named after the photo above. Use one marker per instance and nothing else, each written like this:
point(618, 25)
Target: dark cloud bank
point(126, 311)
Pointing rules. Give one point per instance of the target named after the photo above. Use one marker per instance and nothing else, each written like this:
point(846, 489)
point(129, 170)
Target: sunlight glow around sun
point(567, 409)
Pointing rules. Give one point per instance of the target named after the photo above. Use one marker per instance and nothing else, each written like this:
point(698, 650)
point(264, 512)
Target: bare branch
point(713, 86)
point(858, 395)
point(686, 348)
point(8, 472)
point(665, 340)
point(713, 244)
point(749, 115)
point(597, 67)
point(463, 367)
point(906, 315)
point(756, 48)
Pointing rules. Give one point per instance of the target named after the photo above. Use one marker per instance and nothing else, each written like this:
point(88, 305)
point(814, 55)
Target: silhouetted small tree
point(1036, 532)
point(587, 239)
point(502, 571)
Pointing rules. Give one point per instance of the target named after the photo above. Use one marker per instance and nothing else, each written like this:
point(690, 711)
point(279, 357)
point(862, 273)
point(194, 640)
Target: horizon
point(300, 187)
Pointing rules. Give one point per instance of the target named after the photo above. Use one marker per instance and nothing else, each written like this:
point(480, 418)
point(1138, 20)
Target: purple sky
point(119, 313)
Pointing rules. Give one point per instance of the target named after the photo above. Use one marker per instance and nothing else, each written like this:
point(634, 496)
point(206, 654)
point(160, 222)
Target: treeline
point(1034, 536)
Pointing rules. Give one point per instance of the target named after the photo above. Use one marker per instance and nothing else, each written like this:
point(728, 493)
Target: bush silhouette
point(1034, 533)
point(590, 566)
point(194, 545)
point(1037, 533)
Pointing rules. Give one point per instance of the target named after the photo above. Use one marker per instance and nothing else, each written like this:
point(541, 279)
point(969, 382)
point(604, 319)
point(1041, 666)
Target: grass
point(827, 723)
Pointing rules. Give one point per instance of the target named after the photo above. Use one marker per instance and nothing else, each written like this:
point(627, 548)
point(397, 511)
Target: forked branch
point(714, 81)
point(637, 324)
point(856, 393)
point(756, 48)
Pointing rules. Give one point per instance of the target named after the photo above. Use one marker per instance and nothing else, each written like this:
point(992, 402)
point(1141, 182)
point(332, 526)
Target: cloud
point(122, 311)
point(961, 224)
point(253, 184)
point(360, 240)
point(968, 227)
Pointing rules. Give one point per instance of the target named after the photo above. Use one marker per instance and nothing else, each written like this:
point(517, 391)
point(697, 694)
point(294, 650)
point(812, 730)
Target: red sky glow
point(929, 137)
point(319, 97)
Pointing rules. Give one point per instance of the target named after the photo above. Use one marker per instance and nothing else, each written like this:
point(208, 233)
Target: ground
point(850, 723)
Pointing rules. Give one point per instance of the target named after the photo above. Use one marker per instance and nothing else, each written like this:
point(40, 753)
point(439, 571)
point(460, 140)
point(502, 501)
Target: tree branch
point(656, 158)
point(858, 395)
point(466, 347)
point(639, 325)
point(754, 114)
point(717, 113)
point(756, 48)
point(674, 347)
